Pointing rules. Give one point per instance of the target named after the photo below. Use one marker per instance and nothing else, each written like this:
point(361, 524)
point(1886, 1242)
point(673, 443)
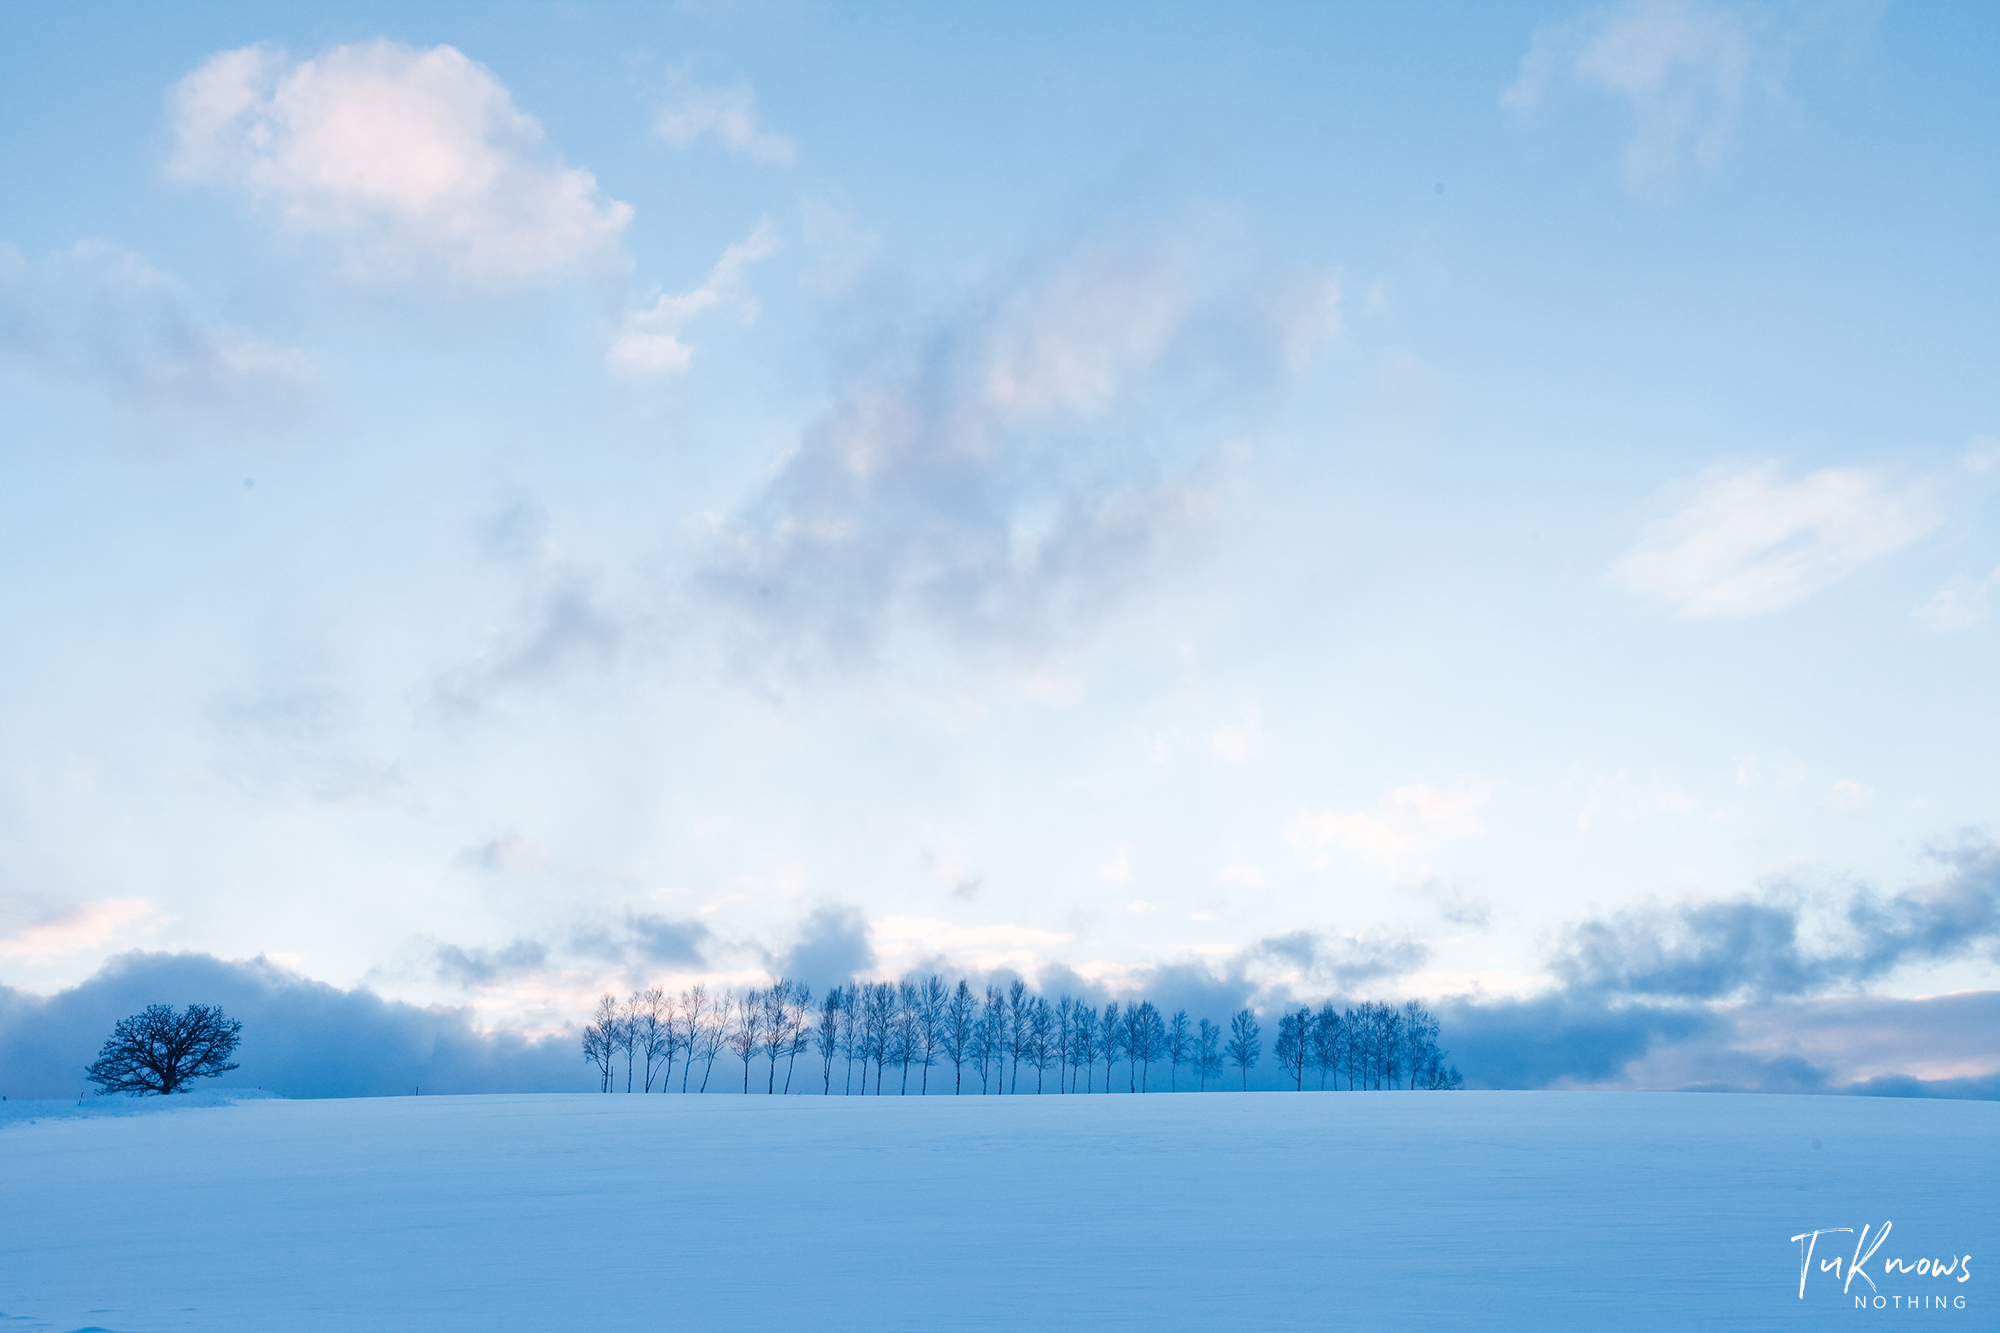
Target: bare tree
point(161, 1051)
point(651, 1033)
point(800, 1024)
point(827, 1035)
point(1354, 1030)
point(1041, 1038)
point(1110, 1039)
point(781, 1015)
point(1370, 1025)
point(956, 1033)
point(1135, 1042)
point(881, 1023)
point(715, 1032)
point(931, 1000)
point(1156, 1040)
point(1017, 1029)
point(1325, 1043)
point(1293, 1046)
point(693, 1020)
point(1391, 1019)
point(746, 1035)
point(1023, 1028)
point(1128, 1039)
point(992, 1039)
point(1208, 1053)
point(1064, 1035)
point(1132, 1024)
point(1423, 1058)
point(903, 1033)
point(1083, 1045)
point(1245, 1049)
point(602, 1039)
point(628, 1034)
point(853, 1045)
point(1180, 1045)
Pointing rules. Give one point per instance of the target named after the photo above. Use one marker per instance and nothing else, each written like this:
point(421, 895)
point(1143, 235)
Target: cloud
point(899, 943)
point(838, 245)
point(1957, 608)
point(1560, 1040)
point(1406, 822)
point(301, 1038)
point(1758, 947)
point(657, 940)
point(1009, 480)
point(567, 620)
point(1734, 995)
point(410, 161)
point(1239, 745)
point(96, 312)
point(483, 967)
point(693, 112)
point(298, 733)
point(650, 345)
point(646, 939)
point(833, 948)
point(1742, 541)
point(1866, 1045)
point(1721, 996)
point(1680, 67)
point(508, 854)
point(1631, 802)
point(1983, 455)
point(86, 926)
point(1333, 964)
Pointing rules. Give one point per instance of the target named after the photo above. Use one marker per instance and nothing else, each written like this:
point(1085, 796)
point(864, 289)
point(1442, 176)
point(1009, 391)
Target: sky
point(1491, 504)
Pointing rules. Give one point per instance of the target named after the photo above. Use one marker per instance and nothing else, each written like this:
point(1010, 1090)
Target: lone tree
point(1244, 1048)
point(163, 1051)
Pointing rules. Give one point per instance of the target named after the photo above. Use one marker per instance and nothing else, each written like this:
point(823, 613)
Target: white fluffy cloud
point(102, 313)
point(1741, 541)
point(1403, 824)
point(1681, 66)
point(412, 161)
point(650, 343)
point(729, 114)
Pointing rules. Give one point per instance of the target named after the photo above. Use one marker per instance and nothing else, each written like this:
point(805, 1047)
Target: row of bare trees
point(1373, 1045)
point(1009, 1039)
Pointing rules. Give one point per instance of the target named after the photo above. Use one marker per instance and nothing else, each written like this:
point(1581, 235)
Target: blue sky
point(509, 500)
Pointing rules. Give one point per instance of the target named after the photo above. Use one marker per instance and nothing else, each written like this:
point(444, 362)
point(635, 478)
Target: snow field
point(1379, 1211)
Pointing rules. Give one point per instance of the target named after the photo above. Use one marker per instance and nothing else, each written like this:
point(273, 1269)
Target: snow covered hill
point(1632, 1211)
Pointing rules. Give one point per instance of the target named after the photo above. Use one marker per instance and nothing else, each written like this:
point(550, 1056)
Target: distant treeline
point(1011, 1040)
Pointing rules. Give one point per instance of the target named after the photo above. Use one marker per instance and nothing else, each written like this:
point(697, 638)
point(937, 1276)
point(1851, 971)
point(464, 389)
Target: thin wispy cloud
point(408, 160)
point(1958, 607)
point(1010, 479)
point(99, 313)
point(1680, 67)
point(84, 928)
point(1745, 540)
point(1406, 824)
point(728, 115)
point(649, 345)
